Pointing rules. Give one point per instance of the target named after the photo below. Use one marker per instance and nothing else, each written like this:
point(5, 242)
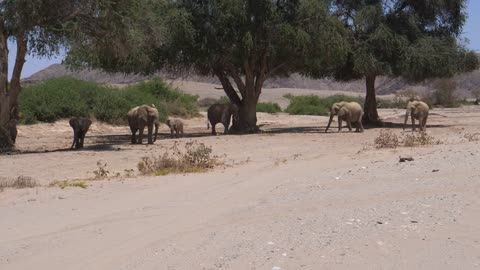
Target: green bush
point(315, 105)
point(65, 97)
point(268, 107)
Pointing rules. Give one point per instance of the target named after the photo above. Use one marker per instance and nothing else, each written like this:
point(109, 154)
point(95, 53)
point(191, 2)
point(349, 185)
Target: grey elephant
point(142, 116)
point(418, 110)
point(175, 125)
point(221, 113)
point(350, 112)
point(80, 126)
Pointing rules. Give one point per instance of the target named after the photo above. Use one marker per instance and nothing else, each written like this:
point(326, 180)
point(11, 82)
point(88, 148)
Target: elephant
point(418, 110)
point(221, 113)
point(351, 112)
point(175, 125)
point(80, 126)
point(138, 118)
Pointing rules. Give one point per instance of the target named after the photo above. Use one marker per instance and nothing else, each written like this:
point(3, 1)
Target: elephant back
point(215, 112)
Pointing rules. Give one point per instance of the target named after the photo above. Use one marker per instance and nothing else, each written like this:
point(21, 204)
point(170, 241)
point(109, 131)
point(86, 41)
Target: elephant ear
point(73, 122)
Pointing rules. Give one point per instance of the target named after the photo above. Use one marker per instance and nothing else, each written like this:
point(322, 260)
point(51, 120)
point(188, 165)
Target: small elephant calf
point(80, 127)
point(175, 125)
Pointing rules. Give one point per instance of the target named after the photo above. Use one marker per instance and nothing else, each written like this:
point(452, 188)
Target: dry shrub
point(66, 183)
point(386, 139)
point(472, 137)
point(18, 183)
point(418, 139)
point(102, 171)
point(196, 157)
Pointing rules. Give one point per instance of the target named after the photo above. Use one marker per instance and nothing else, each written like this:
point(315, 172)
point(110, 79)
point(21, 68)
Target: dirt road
point(291, 198)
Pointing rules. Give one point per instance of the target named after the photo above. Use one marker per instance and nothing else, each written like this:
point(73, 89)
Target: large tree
point(242, 42)
point(416, 39)
point(41, 28)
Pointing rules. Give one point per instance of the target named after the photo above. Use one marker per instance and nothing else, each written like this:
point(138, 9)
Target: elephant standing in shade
point(418, 110)
point(142, 116)
point(80, 127)
point(221, 113)
point(351, 112)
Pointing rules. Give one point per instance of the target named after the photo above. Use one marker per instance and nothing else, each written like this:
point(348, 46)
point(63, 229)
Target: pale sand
point(294, 198)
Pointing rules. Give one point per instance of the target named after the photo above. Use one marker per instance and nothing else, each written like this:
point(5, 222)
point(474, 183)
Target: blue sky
point(471, 32)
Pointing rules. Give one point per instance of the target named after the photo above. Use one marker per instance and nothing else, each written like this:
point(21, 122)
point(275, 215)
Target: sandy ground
point(292, 197)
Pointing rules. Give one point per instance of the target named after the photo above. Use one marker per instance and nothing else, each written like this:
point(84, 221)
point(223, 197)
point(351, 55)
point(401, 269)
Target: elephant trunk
point(156, 130)
point(329, 122)
point(406, 118)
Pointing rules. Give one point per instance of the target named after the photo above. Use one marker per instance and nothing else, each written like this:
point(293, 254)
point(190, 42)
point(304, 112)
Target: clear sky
point(471, 32)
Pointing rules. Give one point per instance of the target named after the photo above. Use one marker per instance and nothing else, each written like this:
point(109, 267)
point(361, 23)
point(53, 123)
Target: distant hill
point(465, 82)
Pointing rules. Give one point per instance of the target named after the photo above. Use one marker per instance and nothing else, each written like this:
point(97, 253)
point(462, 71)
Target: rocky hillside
point(466, 83)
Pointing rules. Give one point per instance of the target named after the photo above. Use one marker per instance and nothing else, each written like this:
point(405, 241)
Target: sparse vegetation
point(207, 102)
point(18, 183)
point(472, 137)
point(196, 157)
point(268, 107)
point(66, 183)
point(64, 97)
point(315, 105)
point(388, 139)
point(102, 171)
point(445, 93)
point(418, 139)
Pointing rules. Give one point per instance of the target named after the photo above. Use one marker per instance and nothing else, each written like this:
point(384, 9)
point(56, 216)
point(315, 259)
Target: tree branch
point(238, 81)
point(227, 86)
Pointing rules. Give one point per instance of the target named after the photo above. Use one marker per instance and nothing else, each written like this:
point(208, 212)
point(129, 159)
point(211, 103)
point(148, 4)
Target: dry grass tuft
point(102, 171)
point(66, 183)
point(386, 139)
point(18, 183)
point(419, 139)
point(472, 137)
point(196, 157)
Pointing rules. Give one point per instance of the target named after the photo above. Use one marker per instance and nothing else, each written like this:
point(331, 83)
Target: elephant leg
point(150, 133)
point(360, 125)
point(74, 139)
point(225, 130)
point(140, 134)
point(413, 123)
point(133, 139)
point(425, 122)
point(82, 138)
point(339, 124)
point(214, 132)
point(177, 133)
point(349, 124)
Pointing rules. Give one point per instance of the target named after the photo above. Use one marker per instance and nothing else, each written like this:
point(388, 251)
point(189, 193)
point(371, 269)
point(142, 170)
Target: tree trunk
point(370, 115)
point(6, 142)
point(247, 113)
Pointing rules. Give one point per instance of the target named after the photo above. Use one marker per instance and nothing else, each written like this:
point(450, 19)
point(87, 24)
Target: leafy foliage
point(315, 105)
point(268, 107)
point(64, 97)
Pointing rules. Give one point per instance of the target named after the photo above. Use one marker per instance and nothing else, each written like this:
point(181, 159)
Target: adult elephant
point(350, 112)
point(221, 113)
point(142, 116)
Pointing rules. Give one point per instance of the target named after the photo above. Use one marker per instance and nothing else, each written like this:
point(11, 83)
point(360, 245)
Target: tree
point(415, 39)
point(42, 28)
point(242, 42)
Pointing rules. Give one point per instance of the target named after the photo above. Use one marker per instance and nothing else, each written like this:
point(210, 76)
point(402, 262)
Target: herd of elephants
point(147, 116)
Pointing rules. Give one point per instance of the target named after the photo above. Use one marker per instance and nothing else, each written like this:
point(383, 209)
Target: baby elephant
point(351, 112)
point(419, 111)
point(80, 127)
point(175, 125)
